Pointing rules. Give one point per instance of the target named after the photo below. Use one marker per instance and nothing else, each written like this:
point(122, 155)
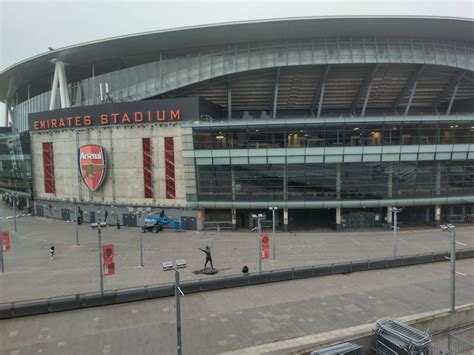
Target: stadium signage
point(115, 114)
point(92, 165)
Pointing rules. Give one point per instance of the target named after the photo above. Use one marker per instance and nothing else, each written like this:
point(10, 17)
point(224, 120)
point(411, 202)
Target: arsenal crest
point(92, 165)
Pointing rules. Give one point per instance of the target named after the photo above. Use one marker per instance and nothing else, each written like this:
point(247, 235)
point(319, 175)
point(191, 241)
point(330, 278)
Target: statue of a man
point(207, 251)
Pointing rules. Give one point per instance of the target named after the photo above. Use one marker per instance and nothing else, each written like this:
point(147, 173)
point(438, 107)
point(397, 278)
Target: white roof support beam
point(7, 103)
point(411, 82)
point(275, 93)
point(59, 78)
point(452, 84)
point(319, 93)
point(365, 87)
point(5, 123)
point(412, 94)
point(453, 96)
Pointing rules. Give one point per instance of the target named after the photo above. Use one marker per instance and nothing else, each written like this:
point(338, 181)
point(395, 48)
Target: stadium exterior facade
point(332, 120)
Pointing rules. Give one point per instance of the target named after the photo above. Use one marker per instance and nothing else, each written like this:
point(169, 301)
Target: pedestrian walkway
point(30, 273)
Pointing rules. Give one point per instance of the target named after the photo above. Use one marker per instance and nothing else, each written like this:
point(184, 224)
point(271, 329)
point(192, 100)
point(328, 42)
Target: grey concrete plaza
point(227, 320)
point(30, 273)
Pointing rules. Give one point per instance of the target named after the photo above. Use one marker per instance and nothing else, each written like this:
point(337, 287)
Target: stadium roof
point(125, 51)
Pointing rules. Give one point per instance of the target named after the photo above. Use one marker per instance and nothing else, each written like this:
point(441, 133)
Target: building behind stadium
point(331, 120)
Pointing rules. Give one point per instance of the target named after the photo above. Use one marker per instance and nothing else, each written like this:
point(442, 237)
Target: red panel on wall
point(169, 168)
point(147, 179)
point(48, 168)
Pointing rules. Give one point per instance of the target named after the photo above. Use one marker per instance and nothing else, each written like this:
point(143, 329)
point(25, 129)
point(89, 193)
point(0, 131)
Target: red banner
point(265, 245)
point(108, 255)
point(6, 240)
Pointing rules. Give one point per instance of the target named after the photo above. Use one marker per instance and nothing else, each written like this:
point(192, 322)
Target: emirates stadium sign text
point(113, 114)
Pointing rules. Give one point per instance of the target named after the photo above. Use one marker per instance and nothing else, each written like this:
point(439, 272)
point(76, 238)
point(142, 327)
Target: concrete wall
point(124, 181)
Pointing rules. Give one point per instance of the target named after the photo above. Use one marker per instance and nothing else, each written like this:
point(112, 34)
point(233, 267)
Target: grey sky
point(28, 27)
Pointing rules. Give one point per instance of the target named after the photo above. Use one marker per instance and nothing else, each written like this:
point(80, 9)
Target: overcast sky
point(29, 27)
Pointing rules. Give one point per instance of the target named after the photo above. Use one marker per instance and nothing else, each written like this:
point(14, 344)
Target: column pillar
point(389, 218)
point(438, 179)
point(232, 178)
point(427, 219)
point(390, 181)
point(437, 215)
point(338, 182)
point(234, 219)
point(285, 219)
point(338, 219)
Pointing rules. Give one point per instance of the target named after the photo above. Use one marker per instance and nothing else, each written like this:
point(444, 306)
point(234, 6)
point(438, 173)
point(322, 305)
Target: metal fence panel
point(461, 341)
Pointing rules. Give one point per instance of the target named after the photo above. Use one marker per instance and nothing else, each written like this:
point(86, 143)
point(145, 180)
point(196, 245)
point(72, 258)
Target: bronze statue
point(207, 251)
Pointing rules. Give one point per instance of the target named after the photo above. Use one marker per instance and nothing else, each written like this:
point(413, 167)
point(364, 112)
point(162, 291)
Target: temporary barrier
point(394, 337)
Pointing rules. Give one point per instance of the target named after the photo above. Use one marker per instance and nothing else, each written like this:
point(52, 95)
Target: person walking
point(51, 252)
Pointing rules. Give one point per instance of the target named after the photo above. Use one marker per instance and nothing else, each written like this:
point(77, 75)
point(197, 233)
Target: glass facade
point(15, 163)
point(348, 181)
point(330, 135)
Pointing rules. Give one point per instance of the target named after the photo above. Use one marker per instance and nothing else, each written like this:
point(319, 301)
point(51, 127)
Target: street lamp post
point(451, 229)
point(167, 266)
point(99, 227)
point(76, 215)
point(140, 225)
point(395, 211)
point(259, 217)
point(273, 209)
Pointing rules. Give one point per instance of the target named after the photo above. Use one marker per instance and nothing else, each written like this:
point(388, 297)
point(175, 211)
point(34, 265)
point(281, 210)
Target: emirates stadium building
point(331, 120)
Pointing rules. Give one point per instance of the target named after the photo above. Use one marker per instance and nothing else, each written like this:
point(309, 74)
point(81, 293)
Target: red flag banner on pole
point(265, 245)
point(108, 255)
point(6, 240)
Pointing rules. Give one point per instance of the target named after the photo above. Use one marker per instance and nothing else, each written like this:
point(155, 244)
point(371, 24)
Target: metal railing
point(461, 341)
point(109, 297)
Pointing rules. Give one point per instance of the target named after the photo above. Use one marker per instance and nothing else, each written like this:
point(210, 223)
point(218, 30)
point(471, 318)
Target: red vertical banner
point(147, 176)
point(108, 257)
point(265, 245)
point(169, 168)
point(6, 240)
point(48, 168)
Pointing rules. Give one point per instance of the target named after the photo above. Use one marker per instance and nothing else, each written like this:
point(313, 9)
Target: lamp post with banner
point(259, 217)
point(273, 209)
point(99, 227)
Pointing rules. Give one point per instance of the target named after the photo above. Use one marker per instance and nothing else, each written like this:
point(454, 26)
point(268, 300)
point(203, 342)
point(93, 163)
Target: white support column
point(5, 124)
point(59, 78)
point(54, 89)
point(285, 219)
point(234, 219)
point(63, 89)
point(338, 219)
point(437, 214)
point(389, 217)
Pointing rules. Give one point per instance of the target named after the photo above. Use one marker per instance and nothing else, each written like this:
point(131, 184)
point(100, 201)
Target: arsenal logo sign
point(92, 165)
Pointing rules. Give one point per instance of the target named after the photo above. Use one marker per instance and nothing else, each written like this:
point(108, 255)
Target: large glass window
point(348, 181)
point(330, 135)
